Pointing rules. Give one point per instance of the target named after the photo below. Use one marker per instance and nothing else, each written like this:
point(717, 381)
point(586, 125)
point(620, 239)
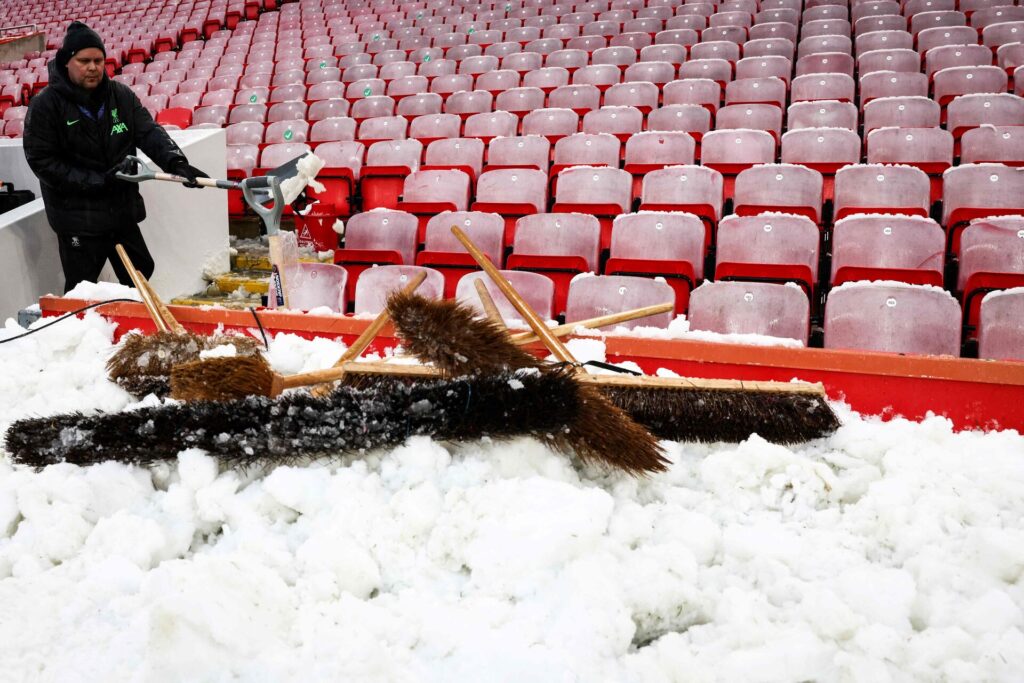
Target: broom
point(225, 379)
point(221, 379)
point(690, 409)
point(142, 363)
point(260, 431)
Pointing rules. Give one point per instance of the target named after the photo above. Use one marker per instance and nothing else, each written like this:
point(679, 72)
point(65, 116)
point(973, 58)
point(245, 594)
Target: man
point(78, 131)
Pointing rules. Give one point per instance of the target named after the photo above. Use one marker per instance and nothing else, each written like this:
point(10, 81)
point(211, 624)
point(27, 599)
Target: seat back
point(660, 235)
point(317, 285)
point(485, 229)
point(1001, 325)
point(525, 151)
point(376, 284)
point(582, 185)
point(769, 238)
point(763, 308)
point(562, 234)
point(991, 245)
point(590, 297)
point(887, 242)
point(893, 317)
point(383, 230)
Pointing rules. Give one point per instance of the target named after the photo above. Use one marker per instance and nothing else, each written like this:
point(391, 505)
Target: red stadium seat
point(774, 310)
point(660, 244)
point(874, 247)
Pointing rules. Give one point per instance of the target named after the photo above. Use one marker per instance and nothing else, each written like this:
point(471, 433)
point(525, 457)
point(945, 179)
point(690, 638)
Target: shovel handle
point(553, 344)
point(147, 172)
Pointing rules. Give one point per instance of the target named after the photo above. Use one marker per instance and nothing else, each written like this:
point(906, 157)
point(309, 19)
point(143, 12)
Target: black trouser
point(83, 256)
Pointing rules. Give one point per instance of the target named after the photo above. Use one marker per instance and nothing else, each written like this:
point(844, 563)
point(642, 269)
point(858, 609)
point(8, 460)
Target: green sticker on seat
point(323, 65)
point(253, 98)
point(376, 36)
point(288, 134)
point(366, 92)
point(426, 58)
point(471, 30)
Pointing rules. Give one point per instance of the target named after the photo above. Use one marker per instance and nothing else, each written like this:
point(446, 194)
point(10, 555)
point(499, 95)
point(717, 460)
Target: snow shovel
point(258, 191)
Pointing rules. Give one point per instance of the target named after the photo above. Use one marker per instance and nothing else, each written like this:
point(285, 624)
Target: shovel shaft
point(202, 182)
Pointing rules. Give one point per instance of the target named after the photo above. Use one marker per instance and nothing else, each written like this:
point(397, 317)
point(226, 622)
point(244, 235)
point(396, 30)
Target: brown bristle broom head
point(156, 354)
point(450, 336)
point(222, 379)
point(603, 433)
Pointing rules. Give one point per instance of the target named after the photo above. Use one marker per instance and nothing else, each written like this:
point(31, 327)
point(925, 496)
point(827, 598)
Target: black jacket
point(72, 153)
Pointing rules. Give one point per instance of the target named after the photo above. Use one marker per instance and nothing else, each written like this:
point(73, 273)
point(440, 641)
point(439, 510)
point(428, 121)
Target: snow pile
point(889, 552)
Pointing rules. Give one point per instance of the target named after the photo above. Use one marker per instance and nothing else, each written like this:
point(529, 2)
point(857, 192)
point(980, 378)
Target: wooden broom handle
point(493, 314)
point(154, 314)
point(165, 313)
point(598, 321)
point(371, 331)
point(322, 378)
point(552, 342)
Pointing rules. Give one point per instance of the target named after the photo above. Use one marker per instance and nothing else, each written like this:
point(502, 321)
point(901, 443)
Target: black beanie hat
point(78, 37)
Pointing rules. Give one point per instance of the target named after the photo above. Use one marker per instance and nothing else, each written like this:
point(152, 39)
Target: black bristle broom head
point(259, 431)
point(450, 336)
point(710, 415)
point(222, 379)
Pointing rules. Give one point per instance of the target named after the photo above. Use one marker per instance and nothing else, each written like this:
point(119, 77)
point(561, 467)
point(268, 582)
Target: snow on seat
point(372, 107)
point(884, 84)
point(376, 284)
point(929, 149)
point(769, 247)
point(823, 86)
point(621, 122)
point(590, 297)
point(430, 127)
point(668, 244)
point(821, 114)
point(892, 317)
point(908, 249)
point(553, 123)
point(464, 154)
point(763, 308)
point(490, 125)
point(586, 149)
point(968, 112)
point(653, 150)
point(332, 129)
point(704, 92)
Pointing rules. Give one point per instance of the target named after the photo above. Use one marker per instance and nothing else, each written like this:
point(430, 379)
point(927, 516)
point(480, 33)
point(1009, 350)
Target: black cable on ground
point(263, 332)
point(66, 316)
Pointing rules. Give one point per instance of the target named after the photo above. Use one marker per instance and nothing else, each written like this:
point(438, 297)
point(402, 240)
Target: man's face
point(86, 67)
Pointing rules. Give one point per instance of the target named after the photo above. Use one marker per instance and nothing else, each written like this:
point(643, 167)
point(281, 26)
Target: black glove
point(190, 173)
point(126, 166)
